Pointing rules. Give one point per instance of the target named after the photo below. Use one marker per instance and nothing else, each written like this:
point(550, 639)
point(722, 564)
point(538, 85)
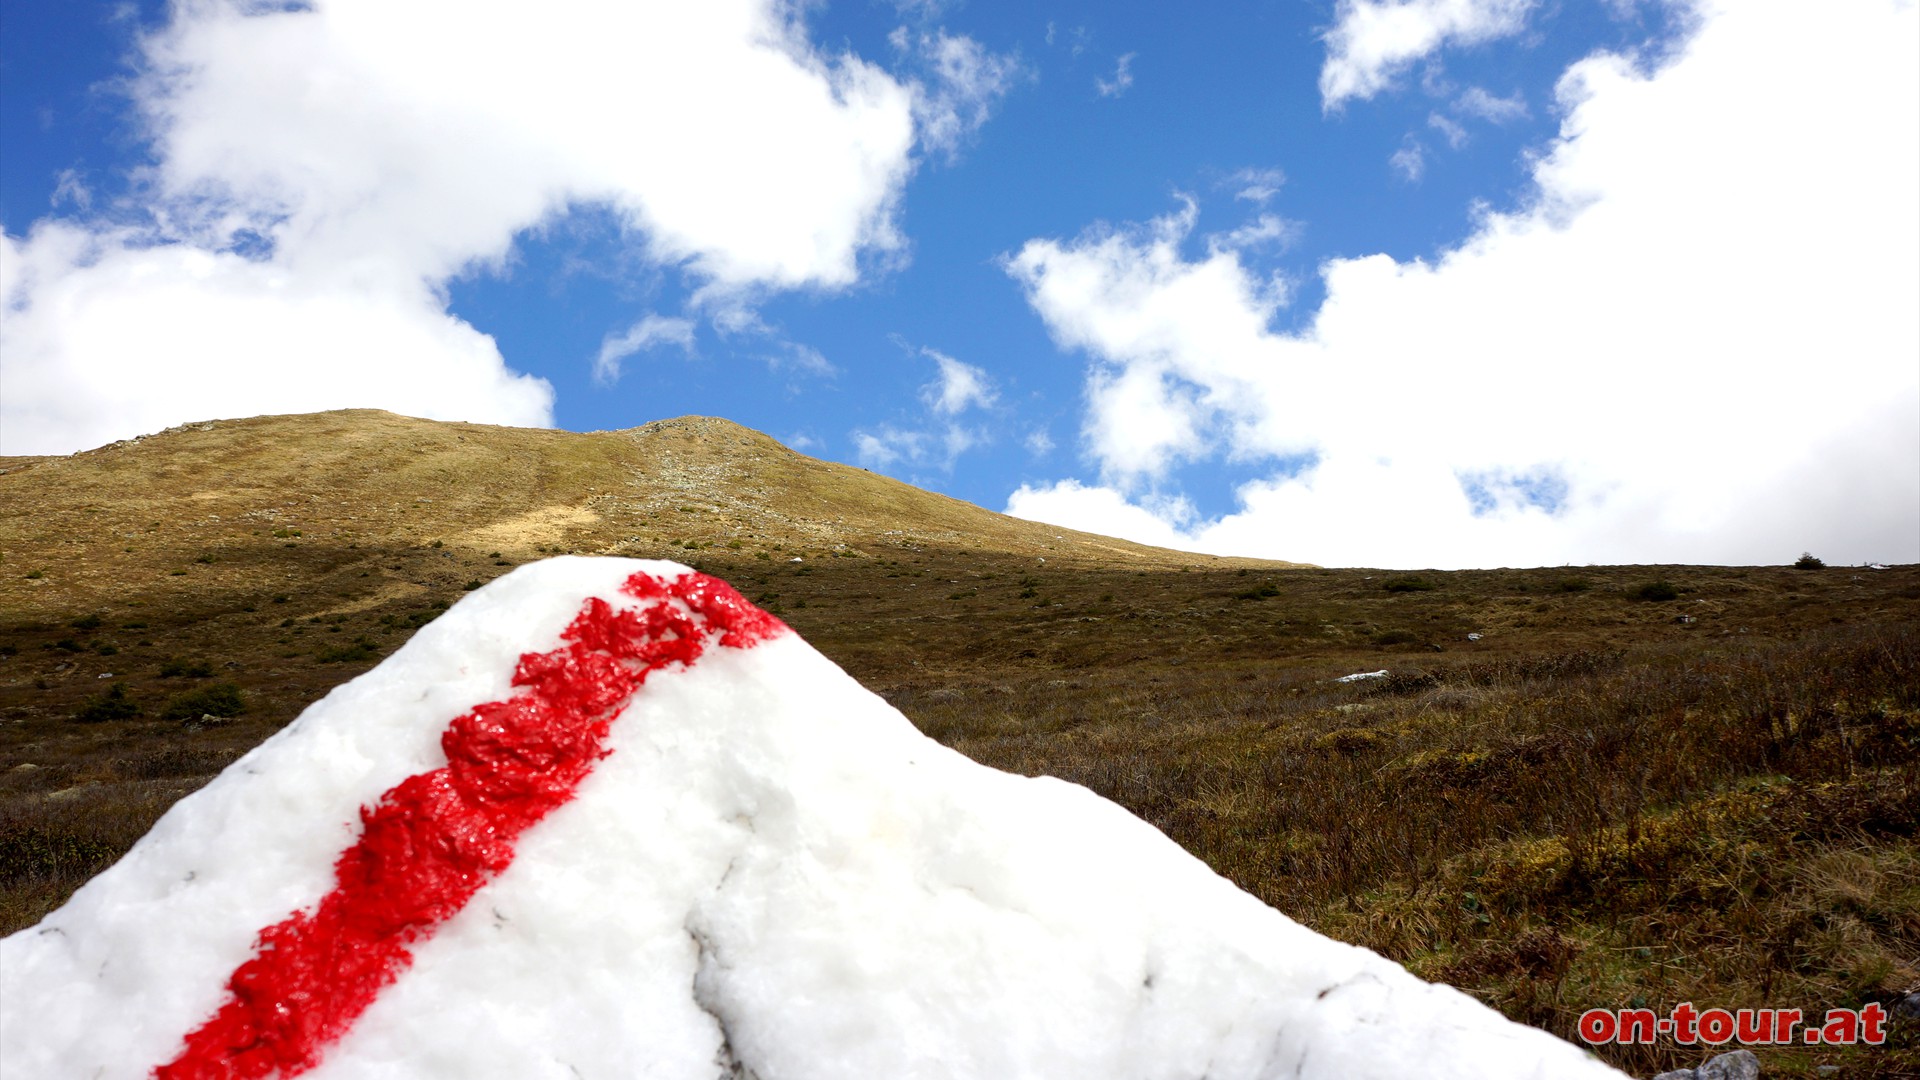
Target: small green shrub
point(1407, 583)
point(1573, 584)
point(222, 699)
point(36, 575)
point(1261, 593)
point(112, 705)
point(1807, 561)
point(472, 585)
point(86, 622)
point(1656, 591)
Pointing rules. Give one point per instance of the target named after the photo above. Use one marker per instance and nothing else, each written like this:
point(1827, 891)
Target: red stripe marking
point(434, 839)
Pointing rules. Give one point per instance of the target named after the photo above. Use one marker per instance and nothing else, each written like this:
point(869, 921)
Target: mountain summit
point(232, 494)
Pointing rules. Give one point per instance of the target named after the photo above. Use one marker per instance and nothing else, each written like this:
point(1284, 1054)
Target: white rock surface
point(772, 875)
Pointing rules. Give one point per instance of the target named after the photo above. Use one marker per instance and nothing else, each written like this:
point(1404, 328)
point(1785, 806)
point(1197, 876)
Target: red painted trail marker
point(430, 842)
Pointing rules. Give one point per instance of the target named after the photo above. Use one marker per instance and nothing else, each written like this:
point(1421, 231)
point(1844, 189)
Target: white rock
point(772, 870)
point(1359, 675)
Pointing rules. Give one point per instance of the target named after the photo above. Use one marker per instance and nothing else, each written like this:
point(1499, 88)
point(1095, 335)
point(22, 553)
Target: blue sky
point(1423, 283)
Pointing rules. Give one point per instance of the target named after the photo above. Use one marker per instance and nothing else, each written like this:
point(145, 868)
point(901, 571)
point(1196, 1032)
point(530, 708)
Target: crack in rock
point(706, 996)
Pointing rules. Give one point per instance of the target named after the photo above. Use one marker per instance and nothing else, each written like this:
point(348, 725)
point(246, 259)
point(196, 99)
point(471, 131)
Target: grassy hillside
point(1636, 785)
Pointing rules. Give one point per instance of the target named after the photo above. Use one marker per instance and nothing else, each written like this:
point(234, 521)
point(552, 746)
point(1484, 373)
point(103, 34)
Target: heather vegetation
point(1566, 793)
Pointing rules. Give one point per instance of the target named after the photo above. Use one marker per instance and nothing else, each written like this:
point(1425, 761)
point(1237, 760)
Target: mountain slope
point(246, 506)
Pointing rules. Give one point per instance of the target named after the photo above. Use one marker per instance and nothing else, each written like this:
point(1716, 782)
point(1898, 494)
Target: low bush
point(114, 704)
point(222, 699)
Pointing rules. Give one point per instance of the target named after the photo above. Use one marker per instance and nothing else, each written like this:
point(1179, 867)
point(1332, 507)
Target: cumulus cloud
point(352, 156)
point(116, 339)
point(1689, 345)
point(1373, 41)
point(641, 336)
point(1096, 509)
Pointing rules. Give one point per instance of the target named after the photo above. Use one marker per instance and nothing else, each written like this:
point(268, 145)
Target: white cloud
point(960, 386)
point(1097, 510)
point(1373, 41)
point(121, 340)
point(70, 187)
point(802, 358)
point(1476, 101)
point(1450, 130)
point(938, 439)
point(921, 9)
point(1080, 38)
point(963, 82)
point(1039, 443)
point(645, 334)
point(1265, 231)
point(1257, 185)
point(1122, 77)
point(366, 152)
point(879, 449)
point(887, 446)
point(1695, 344)
point(1410, 161)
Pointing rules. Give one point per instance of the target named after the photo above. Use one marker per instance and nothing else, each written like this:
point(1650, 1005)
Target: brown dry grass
point(1596, 804)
